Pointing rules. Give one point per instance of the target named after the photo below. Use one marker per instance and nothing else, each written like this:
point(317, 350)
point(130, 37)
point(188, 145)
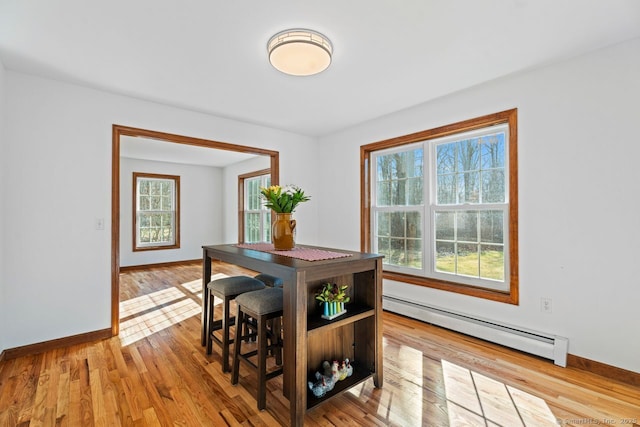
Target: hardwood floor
point(157, 374)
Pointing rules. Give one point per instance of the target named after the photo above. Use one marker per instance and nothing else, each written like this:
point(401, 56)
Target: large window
point(442, 207)
point(156, 211)
point(255, 224)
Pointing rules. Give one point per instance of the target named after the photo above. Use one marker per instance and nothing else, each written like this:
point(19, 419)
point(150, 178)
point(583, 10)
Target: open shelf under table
point(359, 375)
point(315, 323)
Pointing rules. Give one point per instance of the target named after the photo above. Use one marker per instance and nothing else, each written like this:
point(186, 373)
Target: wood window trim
point(241, 179)
point(176, 180)
point(508, 116)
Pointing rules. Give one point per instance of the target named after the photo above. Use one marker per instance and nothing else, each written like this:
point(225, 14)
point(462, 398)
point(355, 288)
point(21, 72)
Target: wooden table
point(309, 339)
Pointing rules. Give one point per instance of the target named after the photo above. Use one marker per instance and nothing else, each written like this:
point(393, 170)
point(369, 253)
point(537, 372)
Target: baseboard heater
point(541, 344)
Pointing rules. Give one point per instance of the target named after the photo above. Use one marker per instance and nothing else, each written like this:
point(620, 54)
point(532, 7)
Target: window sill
point(155, 248)
point(490, 294)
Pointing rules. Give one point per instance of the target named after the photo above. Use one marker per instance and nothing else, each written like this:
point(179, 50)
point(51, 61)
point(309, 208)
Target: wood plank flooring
point(157, 374)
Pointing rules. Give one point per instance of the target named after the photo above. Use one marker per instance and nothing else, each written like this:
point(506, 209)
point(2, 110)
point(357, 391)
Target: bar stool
point(269, 280)
point(226, 289)
point(262, 306)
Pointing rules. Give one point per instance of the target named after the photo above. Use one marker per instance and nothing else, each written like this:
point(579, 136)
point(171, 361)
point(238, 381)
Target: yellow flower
point(274, 189)
point(283, 200)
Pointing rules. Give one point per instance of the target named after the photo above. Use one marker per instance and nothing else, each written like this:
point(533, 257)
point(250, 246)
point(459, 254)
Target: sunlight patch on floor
point(149, 323)
point(145, 315)
point(475, 399)
point(401, 409)
point(409, 407)
point(195, 286)
point(142, 303)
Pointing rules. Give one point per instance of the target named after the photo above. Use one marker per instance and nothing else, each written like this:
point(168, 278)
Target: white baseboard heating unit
point(541, 344)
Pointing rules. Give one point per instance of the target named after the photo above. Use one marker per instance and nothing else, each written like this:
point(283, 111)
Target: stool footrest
point(218, 340)
point(274, 374)
point(217, 324)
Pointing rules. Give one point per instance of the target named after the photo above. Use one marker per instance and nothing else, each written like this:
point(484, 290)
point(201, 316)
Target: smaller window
point(156, 215)
point(255, 224)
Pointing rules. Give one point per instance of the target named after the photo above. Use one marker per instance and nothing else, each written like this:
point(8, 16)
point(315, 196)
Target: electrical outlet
point(99, 223)
point(545, 305)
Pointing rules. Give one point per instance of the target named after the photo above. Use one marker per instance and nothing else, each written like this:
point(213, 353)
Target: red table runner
point(299, 252)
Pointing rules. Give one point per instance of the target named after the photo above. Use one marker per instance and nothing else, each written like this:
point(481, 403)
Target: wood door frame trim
point(117, 132)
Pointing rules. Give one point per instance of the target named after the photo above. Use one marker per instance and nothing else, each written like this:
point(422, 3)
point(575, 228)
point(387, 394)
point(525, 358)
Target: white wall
point(230, 195)
point(201, 210)
point(57, 156)
point(578, 179)
point(3, 319)
point(578, 220)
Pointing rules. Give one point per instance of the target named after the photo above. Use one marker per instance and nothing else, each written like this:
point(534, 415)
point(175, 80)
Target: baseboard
point(607, 371)
point(539, 343)
point(160, 265)
point(41, 347)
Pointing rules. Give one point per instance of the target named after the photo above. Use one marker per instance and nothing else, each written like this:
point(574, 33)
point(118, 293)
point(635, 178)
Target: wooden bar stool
point(227, 289)
point(262, 306)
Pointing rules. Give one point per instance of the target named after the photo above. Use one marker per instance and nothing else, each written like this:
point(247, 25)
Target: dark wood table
point(309, 339)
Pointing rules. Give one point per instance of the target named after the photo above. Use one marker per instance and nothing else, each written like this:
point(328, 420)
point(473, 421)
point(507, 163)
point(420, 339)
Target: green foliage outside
point(491, 265)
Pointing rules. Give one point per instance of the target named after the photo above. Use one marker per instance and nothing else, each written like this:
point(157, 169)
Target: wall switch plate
point(99, 223)
point(545, 305)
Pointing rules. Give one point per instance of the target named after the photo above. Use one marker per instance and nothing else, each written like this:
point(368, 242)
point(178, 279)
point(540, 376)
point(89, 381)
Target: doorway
point(118, 133)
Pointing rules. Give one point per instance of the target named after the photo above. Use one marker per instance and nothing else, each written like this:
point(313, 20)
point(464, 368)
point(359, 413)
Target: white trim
point(429, 207)
point(262, 211)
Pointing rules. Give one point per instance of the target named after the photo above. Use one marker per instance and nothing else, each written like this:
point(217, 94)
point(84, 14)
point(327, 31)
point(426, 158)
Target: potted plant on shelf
point(333, 297)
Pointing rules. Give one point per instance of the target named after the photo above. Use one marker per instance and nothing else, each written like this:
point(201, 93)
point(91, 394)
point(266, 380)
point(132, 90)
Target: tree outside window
point(255, 224)
point(156, 211)
point(440, 207)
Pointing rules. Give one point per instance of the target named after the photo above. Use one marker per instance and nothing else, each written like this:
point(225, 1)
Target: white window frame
point(375, 209)
point(429, 207)
point(263, 212)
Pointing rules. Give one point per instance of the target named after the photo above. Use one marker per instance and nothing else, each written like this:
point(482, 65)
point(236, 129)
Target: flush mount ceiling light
point(300, 52)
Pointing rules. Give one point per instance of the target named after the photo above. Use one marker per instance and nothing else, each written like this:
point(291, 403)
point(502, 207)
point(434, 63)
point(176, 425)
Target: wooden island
point(309, 339)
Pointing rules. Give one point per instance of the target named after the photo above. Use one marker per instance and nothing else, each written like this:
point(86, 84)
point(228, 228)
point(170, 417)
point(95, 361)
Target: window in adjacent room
point(255, 218)
point(442, 207)
point(156, 216)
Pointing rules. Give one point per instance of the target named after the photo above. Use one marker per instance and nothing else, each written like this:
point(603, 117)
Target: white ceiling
point(210, 55)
